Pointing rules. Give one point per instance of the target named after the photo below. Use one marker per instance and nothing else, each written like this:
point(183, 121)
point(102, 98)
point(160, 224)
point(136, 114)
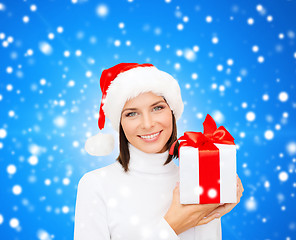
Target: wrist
point(172, 224)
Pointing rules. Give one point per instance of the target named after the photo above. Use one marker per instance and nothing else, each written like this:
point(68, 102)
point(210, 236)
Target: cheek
point(167, 121)
point(128, 128)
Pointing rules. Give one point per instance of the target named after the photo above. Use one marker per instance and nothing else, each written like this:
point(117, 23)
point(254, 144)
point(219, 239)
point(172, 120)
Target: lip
point(151, 139)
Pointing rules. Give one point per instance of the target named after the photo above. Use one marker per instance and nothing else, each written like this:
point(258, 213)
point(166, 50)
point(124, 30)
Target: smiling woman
point(137, 197)
point(147, 122)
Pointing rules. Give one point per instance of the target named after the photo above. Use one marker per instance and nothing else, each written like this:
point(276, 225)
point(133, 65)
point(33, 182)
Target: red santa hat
point(125, 81)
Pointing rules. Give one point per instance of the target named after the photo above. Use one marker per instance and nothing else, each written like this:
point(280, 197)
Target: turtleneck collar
point(149, 162)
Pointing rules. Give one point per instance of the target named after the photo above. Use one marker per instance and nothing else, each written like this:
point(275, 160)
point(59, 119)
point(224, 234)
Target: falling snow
point(233, 61)
point(283, 96)
point(283, 176)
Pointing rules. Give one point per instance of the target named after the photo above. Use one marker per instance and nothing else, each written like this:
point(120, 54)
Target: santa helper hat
point(125, 81)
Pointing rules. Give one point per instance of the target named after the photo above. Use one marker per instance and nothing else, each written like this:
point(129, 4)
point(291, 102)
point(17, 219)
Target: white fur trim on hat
point(135, 81)
point(100, 144)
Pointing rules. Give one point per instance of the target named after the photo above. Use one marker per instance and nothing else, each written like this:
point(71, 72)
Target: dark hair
point(124, 155)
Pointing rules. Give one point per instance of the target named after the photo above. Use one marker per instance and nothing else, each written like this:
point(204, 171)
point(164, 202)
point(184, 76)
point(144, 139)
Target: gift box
point(207, 165)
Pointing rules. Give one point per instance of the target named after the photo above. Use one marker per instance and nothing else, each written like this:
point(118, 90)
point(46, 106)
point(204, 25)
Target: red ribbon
point(209, 163)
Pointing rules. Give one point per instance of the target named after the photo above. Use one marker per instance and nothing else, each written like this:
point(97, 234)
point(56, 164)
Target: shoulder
point(97, 176)
point(100, 182)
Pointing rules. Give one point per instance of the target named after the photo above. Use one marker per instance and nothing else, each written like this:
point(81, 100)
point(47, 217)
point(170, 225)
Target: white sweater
point(112, 204)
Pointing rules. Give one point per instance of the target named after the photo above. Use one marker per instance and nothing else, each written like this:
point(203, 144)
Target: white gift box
point(190, 189)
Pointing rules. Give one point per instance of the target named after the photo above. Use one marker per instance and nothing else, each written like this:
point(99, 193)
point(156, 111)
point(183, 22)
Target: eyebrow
point(132, 109)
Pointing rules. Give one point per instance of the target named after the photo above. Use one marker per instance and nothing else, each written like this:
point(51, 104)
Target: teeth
point(150, 136)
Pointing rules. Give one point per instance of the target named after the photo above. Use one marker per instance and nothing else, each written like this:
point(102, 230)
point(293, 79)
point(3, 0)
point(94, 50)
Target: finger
point(211, 217)
point(177, 187)
point(239, 194)
point(211, 205)
point(238, 181)
point(205, 206)
point(176, 193)
point(222, 210)
point(241, 188)
point(238, 191)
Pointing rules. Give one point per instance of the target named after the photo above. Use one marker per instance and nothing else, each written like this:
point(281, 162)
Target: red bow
point(207, 139)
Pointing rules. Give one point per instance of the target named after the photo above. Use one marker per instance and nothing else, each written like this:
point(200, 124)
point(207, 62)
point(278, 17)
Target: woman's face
point(147, 122)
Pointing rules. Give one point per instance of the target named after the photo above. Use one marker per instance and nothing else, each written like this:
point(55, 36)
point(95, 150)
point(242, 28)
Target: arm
point(208, 227)
point(182, 217)
point(90, 212)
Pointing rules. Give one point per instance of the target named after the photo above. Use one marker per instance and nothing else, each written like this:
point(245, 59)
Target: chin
point(151, 149)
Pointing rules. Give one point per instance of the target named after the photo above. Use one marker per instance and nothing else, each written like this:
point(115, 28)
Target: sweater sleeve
point(211, 230)
point(162, 230)
point(90, 212)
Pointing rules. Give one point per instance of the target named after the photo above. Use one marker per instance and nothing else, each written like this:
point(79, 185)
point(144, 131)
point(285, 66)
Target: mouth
point(150, 137)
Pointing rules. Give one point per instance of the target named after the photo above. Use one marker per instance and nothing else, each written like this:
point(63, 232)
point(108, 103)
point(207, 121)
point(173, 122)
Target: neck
point(149, 162)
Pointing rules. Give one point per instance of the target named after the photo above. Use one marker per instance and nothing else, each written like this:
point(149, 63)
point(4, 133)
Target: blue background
point(49, 101)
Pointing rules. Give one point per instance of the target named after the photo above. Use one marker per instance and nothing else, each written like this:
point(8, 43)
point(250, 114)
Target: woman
point(137, 197)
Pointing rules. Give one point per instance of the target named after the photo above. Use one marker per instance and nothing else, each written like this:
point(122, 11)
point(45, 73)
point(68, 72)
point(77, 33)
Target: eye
point(131, 114)
point(157, 108)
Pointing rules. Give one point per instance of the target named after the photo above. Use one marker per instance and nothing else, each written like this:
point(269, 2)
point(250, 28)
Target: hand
point(226, 207)
point(182, 217)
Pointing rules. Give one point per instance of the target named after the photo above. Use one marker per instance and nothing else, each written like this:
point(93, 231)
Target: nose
point(147, 121)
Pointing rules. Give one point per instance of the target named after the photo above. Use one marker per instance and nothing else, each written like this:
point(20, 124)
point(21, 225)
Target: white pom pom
point(99, 144)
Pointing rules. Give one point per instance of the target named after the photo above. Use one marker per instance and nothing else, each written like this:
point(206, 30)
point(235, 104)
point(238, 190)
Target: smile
point(151, 136)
